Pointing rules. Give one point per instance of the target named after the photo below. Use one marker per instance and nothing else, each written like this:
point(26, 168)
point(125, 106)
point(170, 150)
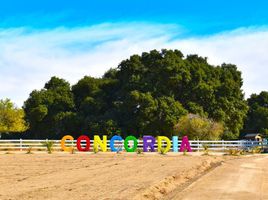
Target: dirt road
point(245, 178)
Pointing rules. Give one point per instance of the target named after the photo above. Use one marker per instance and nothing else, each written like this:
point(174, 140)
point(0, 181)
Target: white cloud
point(28, 58)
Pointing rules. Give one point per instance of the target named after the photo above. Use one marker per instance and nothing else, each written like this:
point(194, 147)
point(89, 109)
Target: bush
point(72, 151)
point(235, 152)
point(205, 146)
point(197, 127)
point(139, 151)
point(162, 151)
point(29, 150)
point(49, 145)
point(95, 150)
point(256, 149)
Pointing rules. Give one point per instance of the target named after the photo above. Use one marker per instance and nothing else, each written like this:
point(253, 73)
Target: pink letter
point(185, 145)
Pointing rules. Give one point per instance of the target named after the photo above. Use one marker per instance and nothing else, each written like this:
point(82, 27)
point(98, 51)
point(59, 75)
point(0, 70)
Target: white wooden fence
point(196, 145)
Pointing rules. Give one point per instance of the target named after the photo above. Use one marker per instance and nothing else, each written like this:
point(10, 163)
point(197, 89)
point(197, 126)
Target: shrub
point(205, 147)
point(242, 152)
point(162, 151)
point(29, 150)
point(256, 149)
point(118, 151)
point(72, 151)
point(49, 146)
point(139, 151)
point(234, 152)
point(197, 127)
point(95, 150)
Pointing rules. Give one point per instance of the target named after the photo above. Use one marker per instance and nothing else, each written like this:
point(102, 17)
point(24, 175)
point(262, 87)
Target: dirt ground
point(243, 178)
point(97, 176)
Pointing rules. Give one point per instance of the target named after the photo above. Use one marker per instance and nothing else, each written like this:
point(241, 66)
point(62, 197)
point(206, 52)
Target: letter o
point(132, 149)
point(78, 143)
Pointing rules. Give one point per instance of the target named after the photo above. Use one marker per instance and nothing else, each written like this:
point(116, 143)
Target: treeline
point(148, 94)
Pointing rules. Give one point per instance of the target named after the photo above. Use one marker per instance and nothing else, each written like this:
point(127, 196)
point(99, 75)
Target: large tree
point(212, 91)
point(93, 99)
point(145, 94)
point(257, 119)
point(50, 111)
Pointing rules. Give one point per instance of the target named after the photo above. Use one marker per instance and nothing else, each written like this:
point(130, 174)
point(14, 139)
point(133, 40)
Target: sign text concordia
point(148, 143)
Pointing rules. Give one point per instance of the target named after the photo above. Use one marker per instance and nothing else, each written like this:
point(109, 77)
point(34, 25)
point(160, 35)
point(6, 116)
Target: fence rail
point(196, 145)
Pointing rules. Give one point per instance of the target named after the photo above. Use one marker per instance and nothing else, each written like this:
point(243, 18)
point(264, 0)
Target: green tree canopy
point(11, 118)
point(145, 94)
point(212, 91)
point(50, 111)
point(257, 118)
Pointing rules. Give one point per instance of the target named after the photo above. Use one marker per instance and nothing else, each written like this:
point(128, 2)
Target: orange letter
point(63, 147)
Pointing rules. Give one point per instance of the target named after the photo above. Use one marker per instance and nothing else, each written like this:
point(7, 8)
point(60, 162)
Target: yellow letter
point(63, 147)
point(159, 143)
point(98, 143)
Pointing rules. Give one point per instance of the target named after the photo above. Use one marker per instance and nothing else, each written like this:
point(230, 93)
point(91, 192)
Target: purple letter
point(185, 145)
point(148, 141)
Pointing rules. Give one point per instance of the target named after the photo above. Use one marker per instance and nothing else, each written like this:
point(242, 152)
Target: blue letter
point(115, 137)
point(175, 143)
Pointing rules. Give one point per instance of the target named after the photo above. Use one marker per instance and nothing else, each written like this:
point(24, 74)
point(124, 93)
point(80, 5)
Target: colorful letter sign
point(130, 144)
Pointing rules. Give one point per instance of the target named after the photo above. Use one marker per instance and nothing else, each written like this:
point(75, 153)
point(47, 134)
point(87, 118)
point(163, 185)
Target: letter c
point(63, 140)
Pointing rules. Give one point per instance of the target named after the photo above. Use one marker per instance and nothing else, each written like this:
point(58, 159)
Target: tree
point(50, 111)
point(11, 118)
point(212, 91)
point(94, 106)
point(142, 114)
point(199, 128)
point(257, 118)
point(145, 94)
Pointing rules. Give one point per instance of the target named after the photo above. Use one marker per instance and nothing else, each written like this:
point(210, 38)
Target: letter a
point(185, 145)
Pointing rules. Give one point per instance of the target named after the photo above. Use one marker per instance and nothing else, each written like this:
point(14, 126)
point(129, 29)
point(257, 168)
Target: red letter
point(78, 143)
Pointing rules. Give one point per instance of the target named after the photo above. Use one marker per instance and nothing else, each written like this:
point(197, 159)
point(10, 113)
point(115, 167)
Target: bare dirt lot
point(97, 176)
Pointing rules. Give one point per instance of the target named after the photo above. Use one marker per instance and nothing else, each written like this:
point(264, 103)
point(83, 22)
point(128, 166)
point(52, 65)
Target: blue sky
point(198, 17)
point(70, 39)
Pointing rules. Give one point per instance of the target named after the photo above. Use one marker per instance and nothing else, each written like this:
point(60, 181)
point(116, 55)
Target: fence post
point(198, 145)
point(20, 144)
point(223, 147)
